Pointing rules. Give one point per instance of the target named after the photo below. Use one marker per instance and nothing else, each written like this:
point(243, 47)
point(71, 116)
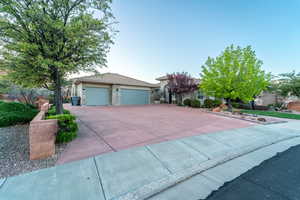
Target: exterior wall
point(115, 94)
point(266, 98)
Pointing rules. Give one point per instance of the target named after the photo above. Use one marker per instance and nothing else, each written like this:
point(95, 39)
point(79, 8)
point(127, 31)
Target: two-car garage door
point(96, 96)
point(132, 97)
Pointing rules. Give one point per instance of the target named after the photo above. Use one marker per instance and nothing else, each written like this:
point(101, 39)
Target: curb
point(160, 185)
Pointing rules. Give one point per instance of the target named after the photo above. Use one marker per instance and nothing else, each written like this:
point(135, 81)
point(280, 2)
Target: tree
point(180, 83)
point(44, 41)
point(289, 84)
point(235, 74)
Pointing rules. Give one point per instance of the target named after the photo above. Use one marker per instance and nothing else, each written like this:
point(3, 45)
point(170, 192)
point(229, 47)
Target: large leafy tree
point(235, 74)
point(44, 41)
point(289, 84)
point(180, 83)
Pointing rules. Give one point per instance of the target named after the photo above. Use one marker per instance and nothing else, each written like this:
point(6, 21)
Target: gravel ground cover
point(14, 152)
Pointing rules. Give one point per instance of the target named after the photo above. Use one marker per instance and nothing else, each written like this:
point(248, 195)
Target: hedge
point(12, 113)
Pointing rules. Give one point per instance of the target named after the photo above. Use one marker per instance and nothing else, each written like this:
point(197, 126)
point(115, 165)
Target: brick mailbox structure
point(42, 135)
point(294, 106)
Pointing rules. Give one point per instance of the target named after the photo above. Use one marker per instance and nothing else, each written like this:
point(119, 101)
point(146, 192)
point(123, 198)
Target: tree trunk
point(228, 100)
point(252, 104)
point(57, 91)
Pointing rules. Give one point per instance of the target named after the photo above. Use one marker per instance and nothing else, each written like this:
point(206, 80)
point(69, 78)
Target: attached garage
point(112, 89)
point(96, 96)
point(135, 97)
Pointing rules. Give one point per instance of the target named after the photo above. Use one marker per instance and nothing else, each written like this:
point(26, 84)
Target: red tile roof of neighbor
point(114, 78)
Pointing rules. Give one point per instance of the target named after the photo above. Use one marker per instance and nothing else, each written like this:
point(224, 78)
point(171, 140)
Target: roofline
point(105, 83)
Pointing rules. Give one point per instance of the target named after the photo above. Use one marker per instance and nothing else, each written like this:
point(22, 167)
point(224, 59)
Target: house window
point(200, 95)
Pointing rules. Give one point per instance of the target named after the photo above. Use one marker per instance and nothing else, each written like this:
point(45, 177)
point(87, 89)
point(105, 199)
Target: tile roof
point(114, 78)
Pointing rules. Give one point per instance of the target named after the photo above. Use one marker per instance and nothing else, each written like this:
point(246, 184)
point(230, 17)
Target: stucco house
point(167, 97)
point(112, 89)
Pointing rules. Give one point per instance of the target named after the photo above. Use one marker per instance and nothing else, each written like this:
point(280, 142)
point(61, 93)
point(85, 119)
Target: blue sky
point(163, 36)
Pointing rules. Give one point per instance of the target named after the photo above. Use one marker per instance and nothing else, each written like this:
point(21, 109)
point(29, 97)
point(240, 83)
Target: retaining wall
point(42, 135)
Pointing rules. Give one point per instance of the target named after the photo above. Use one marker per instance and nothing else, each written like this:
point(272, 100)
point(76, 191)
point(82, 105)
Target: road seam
point(1, 185)
point(161, 162)
point(97, 135)
point(100, 180)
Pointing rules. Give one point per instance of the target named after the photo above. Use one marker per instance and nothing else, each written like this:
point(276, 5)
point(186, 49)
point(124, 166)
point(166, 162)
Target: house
point(112, 89)
point(168, 97)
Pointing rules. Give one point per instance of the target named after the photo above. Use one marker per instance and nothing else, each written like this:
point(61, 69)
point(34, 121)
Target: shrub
point(67, 127)
point(12, 113)
point(179, 104)
point(187, 102)
point(217, 102)
point(52, 111)
point(195, 103)
point(208, 103)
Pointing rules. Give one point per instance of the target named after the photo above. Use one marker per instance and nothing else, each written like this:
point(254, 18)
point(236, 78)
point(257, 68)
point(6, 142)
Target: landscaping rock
point(14, 152)
point(261, 119)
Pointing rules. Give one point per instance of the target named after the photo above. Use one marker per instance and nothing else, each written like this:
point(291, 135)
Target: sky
point(164, 36)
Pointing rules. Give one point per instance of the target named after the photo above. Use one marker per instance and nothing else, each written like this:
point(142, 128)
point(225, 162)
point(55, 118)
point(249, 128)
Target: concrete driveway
point(106, 129)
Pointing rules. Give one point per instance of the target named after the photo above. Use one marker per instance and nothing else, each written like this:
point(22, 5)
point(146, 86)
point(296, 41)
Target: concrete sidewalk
point(159, 171)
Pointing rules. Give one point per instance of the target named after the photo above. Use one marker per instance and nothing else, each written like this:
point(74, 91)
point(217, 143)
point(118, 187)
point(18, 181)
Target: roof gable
point(114, 78)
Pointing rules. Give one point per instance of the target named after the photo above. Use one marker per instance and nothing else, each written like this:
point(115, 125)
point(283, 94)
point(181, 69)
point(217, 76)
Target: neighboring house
point(112, 89)
point(266, 98)
point(168, 97)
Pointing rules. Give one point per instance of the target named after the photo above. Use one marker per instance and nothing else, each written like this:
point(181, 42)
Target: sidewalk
point(139, 173)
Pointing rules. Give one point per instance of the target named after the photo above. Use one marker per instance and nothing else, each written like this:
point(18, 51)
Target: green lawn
point(272, 114)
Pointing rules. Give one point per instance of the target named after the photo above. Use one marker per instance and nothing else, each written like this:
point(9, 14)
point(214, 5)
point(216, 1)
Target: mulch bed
point(14, 152)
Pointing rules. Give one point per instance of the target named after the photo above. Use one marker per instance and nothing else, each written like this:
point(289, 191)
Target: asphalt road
point(276, 179)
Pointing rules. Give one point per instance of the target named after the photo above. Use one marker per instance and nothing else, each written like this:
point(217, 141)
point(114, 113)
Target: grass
point(273, 114)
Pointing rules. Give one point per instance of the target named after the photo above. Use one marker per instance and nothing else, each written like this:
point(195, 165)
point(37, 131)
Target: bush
point(12, 113)
point(179, 104)
point(67, 127)
point(248, 107)
point(52, 111)
point(187, 102)
point(195, 103)
point(209, 103)
point(217, 102)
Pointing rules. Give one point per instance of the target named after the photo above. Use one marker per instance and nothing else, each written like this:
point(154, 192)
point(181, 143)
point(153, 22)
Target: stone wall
point(42, 135)
point(294, 106)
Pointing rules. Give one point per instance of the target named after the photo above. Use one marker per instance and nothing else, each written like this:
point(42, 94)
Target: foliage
point(187, 102)
point(52, 111)
point(67, 127)
point(235, 74)
point(195, 103)
point(210, 103)
point(12, 113)
point(42, 42)
point(21, 94)
point(273, 114)
point(288, 84)
point(180, 83)
point(248, 106)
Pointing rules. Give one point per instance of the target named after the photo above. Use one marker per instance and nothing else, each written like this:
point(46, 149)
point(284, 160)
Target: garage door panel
point(97, 96)
point(132, 97)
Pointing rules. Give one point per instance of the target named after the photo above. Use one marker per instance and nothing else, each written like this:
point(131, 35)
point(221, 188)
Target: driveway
point(113, 128)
